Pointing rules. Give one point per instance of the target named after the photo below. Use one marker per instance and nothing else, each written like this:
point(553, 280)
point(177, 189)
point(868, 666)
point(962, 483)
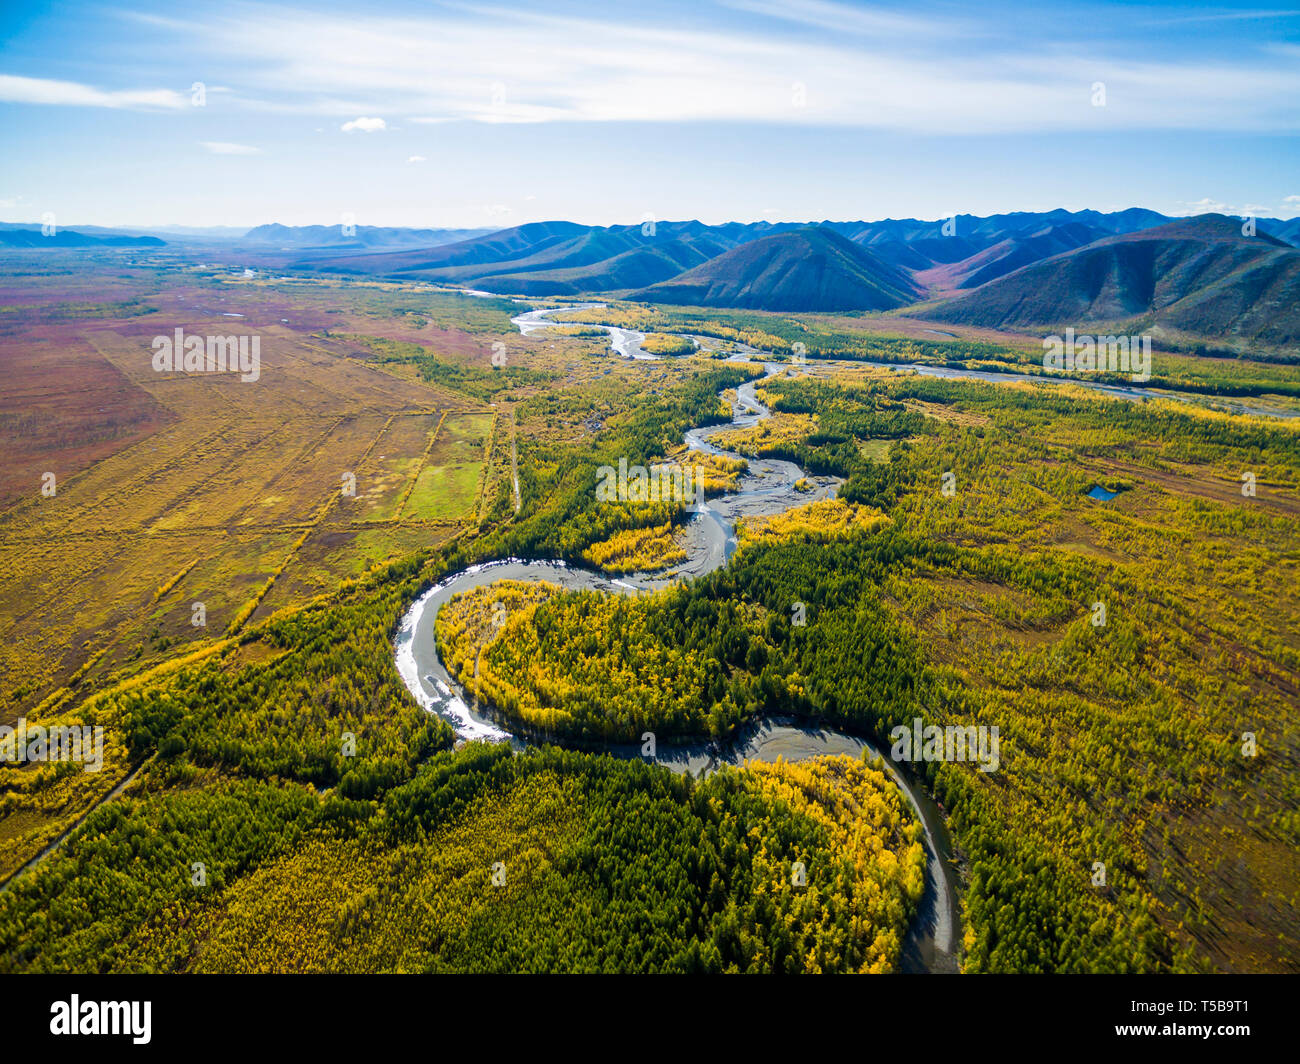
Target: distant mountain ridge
point(1203, 275)
point(19, 237)
point(1199, 275)
point(812, 269)
point(338, 237)
point(1009, 254)
point(561, 258)
point(963, 261)
point(565, 258)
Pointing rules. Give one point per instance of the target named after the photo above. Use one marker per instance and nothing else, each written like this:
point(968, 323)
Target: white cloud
point(364, 125)
point(863, 67)
point(225, 147)
point(1240, 210)
point(531, 67)
point(1222, 17)
point(1206, 206)
point(416, 159)
point(73, 94)
point(843, 18)
point(496, 210)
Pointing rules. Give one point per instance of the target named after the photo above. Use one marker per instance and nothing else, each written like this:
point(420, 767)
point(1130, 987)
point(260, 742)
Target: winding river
point(932, 942)
point(767, 487)
point(627, 342)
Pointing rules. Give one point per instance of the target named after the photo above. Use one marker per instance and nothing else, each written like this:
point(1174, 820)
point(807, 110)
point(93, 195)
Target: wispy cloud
point(1222, 16)
point(364, 125)
point(810, 108)
point(73, 94)
point(856, 67)
point(225, 147)
point(792, 62)
point(1209, 205)
point(846, 18)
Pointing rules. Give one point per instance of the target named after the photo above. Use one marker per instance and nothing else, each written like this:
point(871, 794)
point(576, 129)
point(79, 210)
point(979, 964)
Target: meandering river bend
point(767, 488)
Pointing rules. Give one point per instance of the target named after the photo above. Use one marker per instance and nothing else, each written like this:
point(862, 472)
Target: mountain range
point(1198, 275)
point(28, 237)
point(1208, 275)
point(810, 269)
point(566, 259)
point(336, 238)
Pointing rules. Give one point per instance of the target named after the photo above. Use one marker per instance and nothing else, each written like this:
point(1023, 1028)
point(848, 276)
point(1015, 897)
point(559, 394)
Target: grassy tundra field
point(172, 489)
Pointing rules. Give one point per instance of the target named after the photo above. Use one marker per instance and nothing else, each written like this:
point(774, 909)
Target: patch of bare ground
point(1075, 536)
point(945, 413)
point(1229, 883)
point(1200, 482)
point(967, 617)
point(63, 408)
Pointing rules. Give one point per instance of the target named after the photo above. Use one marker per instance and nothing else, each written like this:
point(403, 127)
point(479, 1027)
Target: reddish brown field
point(176, 488)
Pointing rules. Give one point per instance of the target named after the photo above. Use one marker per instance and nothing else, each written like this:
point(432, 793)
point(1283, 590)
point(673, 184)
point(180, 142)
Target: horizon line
point(38, 223)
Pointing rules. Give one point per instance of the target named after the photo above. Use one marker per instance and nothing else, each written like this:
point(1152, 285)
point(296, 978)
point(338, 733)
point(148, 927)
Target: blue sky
point(449, 114)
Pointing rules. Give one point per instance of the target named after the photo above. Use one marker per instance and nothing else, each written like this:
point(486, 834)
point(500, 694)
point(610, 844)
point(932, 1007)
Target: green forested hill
point(807, 269)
